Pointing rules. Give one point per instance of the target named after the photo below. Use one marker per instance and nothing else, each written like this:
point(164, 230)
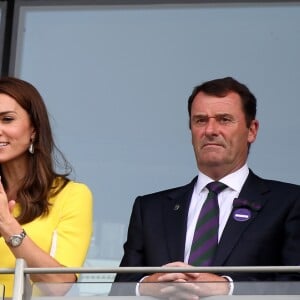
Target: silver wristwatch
point(16, 239)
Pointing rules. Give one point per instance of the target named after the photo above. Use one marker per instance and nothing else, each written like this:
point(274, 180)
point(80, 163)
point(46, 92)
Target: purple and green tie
point(205, 239)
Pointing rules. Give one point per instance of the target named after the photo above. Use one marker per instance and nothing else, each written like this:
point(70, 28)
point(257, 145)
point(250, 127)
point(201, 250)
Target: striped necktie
point(205, 239)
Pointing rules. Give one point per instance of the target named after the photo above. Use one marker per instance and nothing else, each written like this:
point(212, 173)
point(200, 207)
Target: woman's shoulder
point(76, 185)
point(76, 188)
point(67, 185)
point(73, 191)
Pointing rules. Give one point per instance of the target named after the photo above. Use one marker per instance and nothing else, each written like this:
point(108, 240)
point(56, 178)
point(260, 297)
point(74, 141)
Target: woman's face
point(16, 131)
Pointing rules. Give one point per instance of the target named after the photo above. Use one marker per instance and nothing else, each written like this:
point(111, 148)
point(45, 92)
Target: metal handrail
point(22, 287)
point(280, 269)
point(7, 271)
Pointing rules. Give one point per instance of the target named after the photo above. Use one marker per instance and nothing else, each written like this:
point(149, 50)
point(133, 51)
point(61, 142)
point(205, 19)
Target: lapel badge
point(242, 214)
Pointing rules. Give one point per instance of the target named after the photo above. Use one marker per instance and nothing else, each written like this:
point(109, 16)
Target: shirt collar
point(234, 180)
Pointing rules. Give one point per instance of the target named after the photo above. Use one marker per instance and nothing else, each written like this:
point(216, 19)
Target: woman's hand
point(6, 210)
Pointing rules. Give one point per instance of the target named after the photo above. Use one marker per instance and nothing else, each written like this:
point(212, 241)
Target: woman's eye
point(7, 119)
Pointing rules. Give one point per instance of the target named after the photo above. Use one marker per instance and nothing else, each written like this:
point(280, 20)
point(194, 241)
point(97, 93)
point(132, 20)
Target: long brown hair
point(39, 182)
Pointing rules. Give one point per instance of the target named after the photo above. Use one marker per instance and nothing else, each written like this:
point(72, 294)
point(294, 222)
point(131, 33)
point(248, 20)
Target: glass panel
point(116, 81)
point(213, 291)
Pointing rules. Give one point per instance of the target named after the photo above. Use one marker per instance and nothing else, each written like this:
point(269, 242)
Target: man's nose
point(212, 126)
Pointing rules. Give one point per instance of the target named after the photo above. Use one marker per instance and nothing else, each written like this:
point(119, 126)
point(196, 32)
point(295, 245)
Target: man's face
point(220, 136)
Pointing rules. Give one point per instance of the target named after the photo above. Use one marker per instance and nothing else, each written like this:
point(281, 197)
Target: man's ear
point(253, 130)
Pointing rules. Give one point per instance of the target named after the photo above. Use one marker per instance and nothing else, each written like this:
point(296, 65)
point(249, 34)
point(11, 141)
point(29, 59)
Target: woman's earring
point(31, 148)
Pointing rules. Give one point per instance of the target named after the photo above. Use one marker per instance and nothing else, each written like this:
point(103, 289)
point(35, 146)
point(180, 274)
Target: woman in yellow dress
point(45, 218)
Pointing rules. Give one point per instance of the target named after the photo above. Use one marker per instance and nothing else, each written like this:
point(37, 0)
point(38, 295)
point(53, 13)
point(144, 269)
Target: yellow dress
point(65, 233)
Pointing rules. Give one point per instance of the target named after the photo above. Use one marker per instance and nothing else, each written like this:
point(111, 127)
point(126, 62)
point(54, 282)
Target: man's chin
point(211, 162)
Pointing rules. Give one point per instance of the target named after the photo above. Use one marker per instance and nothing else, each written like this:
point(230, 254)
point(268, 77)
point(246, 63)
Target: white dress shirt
point(234, 181)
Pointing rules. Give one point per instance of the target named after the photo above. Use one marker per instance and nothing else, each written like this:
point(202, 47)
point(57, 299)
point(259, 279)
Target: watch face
point(16, 241)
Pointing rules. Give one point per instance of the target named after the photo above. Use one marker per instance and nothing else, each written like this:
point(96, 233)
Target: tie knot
point(216, 187)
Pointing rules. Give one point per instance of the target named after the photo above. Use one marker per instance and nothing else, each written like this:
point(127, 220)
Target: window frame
point(3, 8)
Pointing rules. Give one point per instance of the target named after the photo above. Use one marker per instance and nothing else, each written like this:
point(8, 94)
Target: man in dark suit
point(259, 219)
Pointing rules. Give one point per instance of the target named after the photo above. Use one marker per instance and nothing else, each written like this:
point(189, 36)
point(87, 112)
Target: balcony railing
point(24, 290)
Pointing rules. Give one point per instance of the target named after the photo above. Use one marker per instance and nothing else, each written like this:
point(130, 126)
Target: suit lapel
point(175, 212)
point(253, 191)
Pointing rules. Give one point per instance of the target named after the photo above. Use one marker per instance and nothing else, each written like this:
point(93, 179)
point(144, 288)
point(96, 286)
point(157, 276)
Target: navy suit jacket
point(270, 237)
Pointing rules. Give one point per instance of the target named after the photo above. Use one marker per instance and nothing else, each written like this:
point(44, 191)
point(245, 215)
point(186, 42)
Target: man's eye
point(225, 120)
point(201, 120)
